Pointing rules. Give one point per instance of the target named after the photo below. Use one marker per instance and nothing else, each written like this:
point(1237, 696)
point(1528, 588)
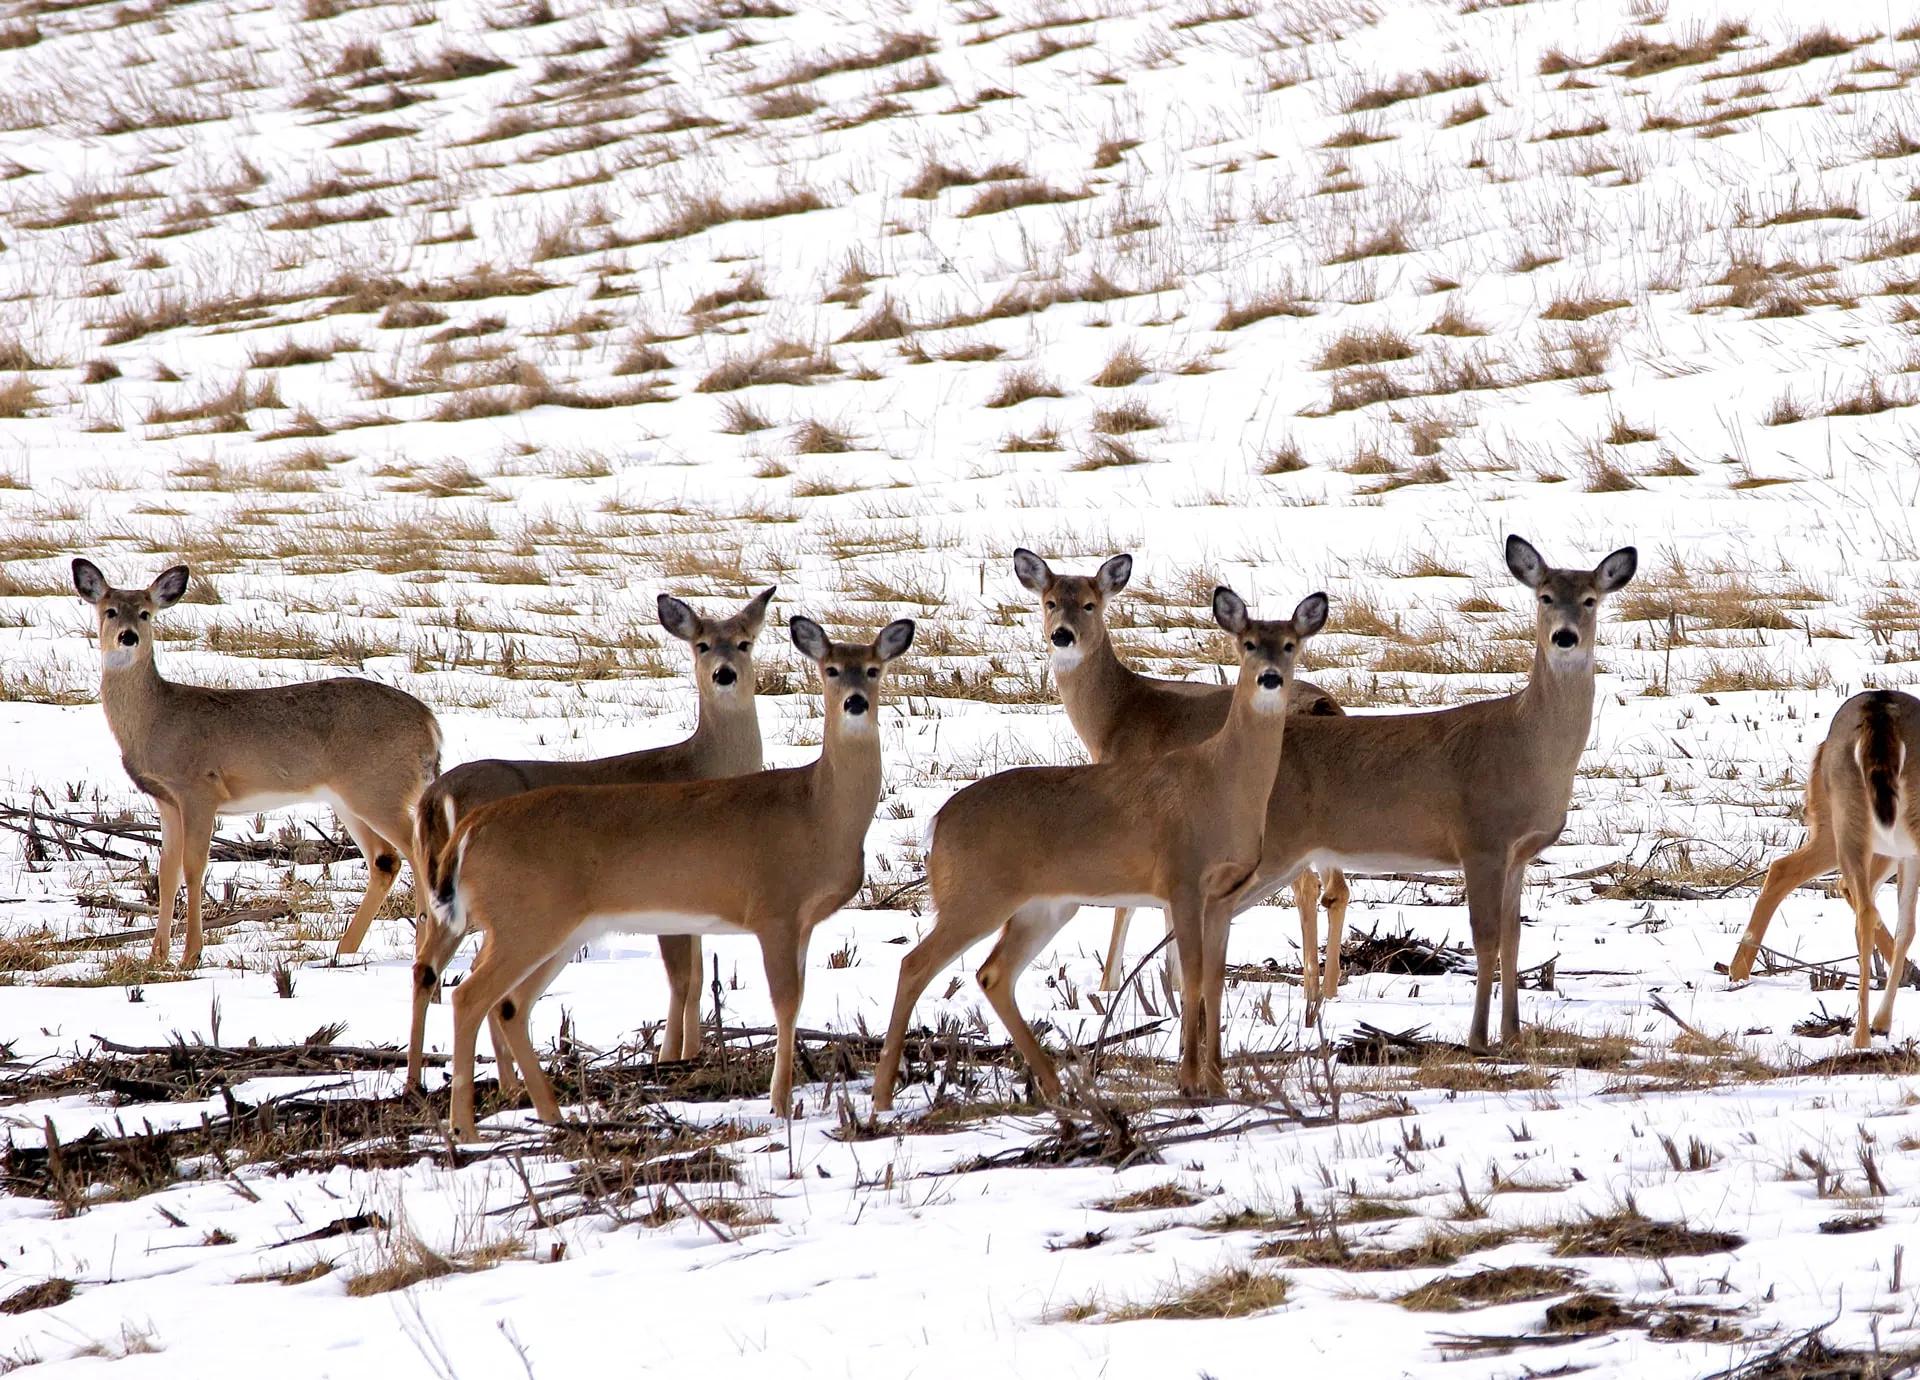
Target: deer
point(770, 854)
point(725, 742)
point(1121, 715)
point(1482, 788)
point(365, 749)
point(1863, 817)
point(1018, 852)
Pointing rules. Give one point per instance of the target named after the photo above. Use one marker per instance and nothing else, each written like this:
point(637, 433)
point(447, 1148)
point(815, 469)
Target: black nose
point(726, 675)
point(129, 638)
point(1269, 680)
point(856, 703)
point(1063, 637)
point(1565, 638)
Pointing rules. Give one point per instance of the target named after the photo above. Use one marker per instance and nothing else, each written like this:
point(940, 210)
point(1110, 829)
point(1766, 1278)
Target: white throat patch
point(117, 658)
point(1065, 659)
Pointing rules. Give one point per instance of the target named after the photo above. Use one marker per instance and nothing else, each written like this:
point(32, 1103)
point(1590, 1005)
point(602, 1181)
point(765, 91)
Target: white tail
point(368, 750)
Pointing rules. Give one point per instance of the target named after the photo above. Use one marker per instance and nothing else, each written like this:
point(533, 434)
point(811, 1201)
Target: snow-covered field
point(439, 338)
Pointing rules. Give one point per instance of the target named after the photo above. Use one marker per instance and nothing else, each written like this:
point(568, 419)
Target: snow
point(503, 567)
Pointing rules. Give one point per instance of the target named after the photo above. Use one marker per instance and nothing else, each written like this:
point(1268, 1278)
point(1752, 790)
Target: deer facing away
point(368, 750)
point(1121, 715)
point(725, 742)
point(1021, 850)
point(769, 854)
point(1863, 817)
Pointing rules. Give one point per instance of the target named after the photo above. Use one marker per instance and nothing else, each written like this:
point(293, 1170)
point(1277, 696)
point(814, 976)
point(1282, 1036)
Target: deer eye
point(743, 646)
point(873, 673)
point(1286, 646)
point(1052, 605)
point(1087, 607)
point(1547, 599)
point(113, 613)
point(1247, 645)
point(1589, 601)
point(833, 672)
point(701, 648)
point(144, 615)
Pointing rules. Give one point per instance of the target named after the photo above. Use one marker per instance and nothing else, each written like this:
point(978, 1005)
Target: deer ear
point(1031, 571)
point(1616, 570)
point(1525, 562)
point(88, 582)
point(167, 590)
point(678, 619)
point(1310, 615)
point(894, 639)
point(810, 638)
point(756, 610)
point(1114, 575)
point(1229, 610)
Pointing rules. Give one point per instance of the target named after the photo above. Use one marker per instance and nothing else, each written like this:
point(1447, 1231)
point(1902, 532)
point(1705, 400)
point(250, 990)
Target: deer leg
point(785, 954)
point(1486, 880)
point(1306, 900)
point(1334, 897)
point(1186, 917)
point(1798, 867)
point(1858, 877)
point(1903, 936)
point(1114, 971)
point(1029, 929)
point(958, 927)
point(172, 840)
point(195, 845)
point(680, 956)
point(1216, 920)
point(383, 866)
point(510, 1033)
point(496, 972)
point(1515, 879)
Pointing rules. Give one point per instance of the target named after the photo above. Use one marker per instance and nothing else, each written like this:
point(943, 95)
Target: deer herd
point(1198, 800)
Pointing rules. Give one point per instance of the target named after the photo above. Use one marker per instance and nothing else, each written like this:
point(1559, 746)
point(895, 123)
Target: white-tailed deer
point(1021, 850)
point(1481, 787)
point(1863, 816)
point(771, 855)
point(368, 750)
point(1122, 715)
point(725, 742)
point(1817, 855)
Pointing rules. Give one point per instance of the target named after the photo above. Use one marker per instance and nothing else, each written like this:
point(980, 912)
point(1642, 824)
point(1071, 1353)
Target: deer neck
point(131, 696)
point(1095, 690)
point(846, 776)
point(1246, 751)
point(1558, 703)
point(728, 731)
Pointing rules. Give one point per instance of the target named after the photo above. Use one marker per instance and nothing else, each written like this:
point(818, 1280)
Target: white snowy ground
point(246, 325)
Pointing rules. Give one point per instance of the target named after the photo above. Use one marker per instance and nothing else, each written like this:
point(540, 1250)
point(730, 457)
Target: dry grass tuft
point(1490, 1287)
point(1274, 301)
point(1124, 367)
point(695, 214)
point(1233, 1292)
point(1009, 196)
point(1377, 345)
point(1022, 384)
point(884, 322)
point(1391, 239)
point(1125, 417)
